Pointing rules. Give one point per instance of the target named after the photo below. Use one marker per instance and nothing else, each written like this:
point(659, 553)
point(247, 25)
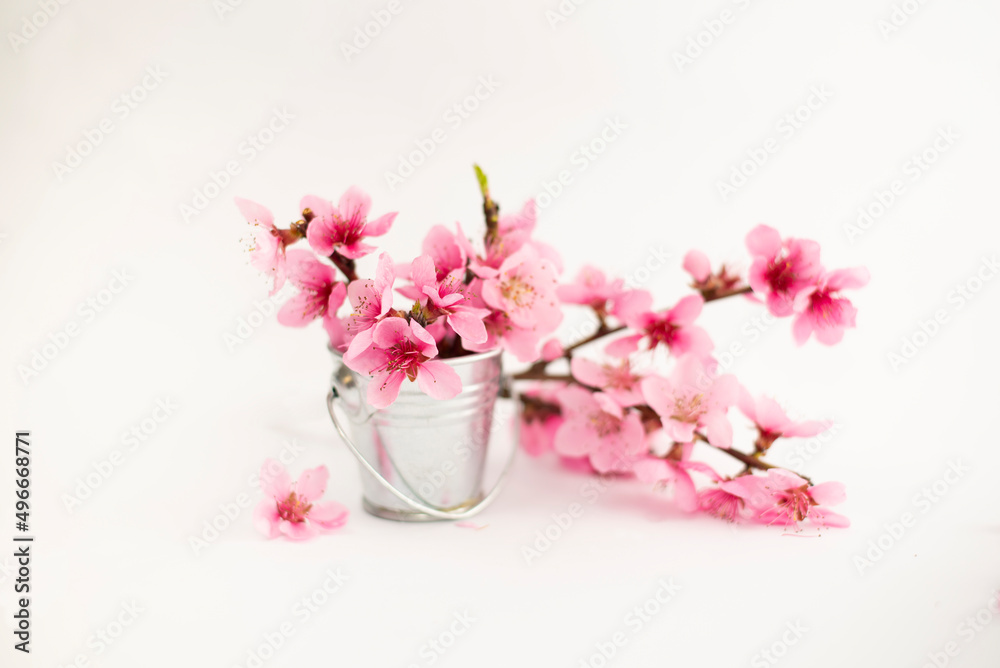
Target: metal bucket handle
point(433, 511)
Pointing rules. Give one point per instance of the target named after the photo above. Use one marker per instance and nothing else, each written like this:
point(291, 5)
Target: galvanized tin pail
point(421, 458)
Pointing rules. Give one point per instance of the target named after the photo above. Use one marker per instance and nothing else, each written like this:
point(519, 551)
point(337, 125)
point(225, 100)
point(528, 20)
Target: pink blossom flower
point(591, 288)
point(449, 296)
point(399, 351)
point(596, 426)
point(524, 289)
point(781, 497)
point(341, 228)
point(294, 510)
point(822, 310)
point(690, 398)
point(781, 269)
point(697, 264)
point(672, 328)
point(267, 255)
point(676, 472)
point(370, 300)
point(772, 423)
point(320, 294)
point(617, 380)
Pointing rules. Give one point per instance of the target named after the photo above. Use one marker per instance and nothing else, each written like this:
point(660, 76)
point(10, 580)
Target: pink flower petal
point(329, 515)
point(311, 484)
point(384, 388)
point(846, 279)
point(298, 530)
point(354, 204)
point(697, 264)
point(687, 310)
point(274, 479)
point(718, 429)
point(321, 208)
point(624, 346)
point(764, 240)
point(379, 226)
point(265, 518)
point(390, 332)
point(438, 380)
point(355, 250)
point(255, 213)
point(828, 493)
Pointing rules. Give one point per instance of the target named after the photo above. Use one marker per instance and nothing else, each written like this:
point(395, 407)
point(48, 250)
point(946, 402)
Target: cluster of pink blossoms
point(618, 414)
point(460, 299)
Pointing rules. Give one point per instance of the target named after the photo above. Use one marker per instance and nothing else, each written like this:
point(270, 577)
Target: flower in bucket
point(294, 510)
point(401, 350)
point(642, 416)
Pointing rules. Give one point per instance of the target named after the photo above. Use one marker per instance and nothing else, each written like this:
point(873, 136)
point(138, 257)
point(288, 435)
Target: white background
point(653, 190)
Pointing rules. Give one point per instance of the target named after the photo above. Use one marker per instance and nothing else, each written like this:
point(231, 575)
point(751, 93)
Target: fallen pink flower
point(294, 510)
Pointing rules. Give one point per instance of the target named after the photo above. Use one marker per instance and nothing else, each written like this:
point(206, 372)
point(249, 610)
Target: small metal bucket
point(422, 459)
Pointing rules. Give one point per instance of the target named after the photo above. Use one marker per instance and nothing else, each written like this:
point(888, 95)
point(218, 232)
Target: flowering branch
point(503, 291)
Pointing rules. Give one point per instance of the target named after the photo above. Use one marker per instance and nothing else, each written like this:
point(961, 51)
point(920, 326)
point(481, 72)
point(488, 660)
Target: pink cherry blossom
point(449, 296)
point(690, 398)
point(672, 328)
point(371, 300)
point(822, 310)
point(341, 228)
point(676, 472)
point(320, 294)
point(697, 264)
point(772, 423)
point(782, 497)
point(294, 510)
point(591, 288)
point(524, 289)
point(616, 379)
point(399, 351)
point(598, 427)
point(267, 255)
point(781, 269)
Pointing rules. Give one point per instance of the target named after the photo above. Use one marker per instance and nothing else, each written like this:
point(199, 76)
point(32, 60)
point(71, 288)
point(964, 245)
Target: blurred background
point(134, 323)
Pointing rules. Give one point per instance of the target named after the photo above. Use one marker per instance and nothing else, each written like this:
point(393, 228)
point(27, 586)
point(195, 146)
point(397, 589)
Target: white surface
point(655, 187)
